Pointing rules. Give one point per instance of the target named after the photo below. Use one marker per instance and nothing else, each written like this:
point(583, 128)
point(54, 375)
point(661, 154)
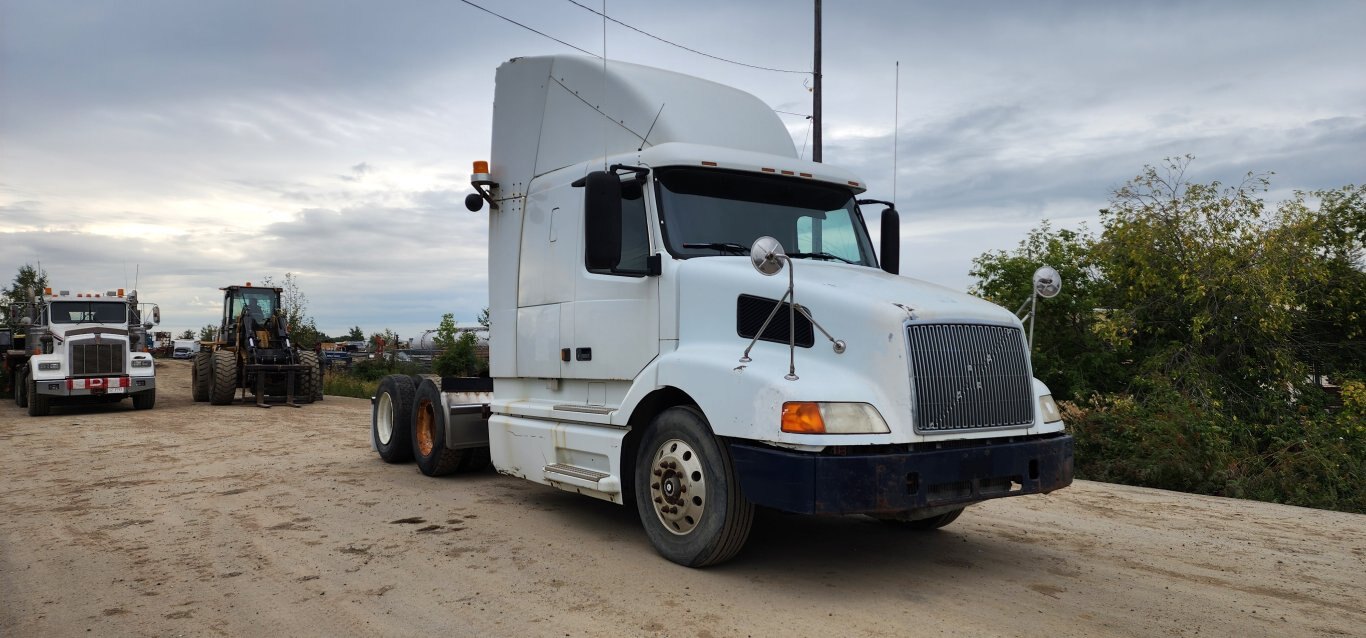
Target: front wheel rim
point(678, 486)
point(384, 419)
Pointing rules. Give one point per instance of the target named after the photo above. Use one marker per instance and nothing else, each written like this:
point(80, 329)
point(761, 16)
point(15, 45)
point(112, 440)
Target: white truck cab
point(688, 319)
point(85, 347)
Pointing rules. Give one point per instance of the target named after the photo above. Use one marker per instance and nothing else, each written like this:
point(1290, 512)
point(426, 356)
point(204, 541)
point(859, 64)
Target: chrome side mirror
point(767, 255)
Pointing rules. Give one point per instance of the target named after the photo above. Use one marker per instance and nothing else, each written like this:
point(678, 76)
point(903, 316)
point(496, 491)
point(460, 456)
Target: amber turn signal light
point(803, 417)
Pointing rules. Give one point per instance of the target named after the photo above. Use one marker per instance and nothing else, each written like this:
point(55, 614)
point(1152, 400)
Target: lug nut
point(654, 486)
point(659, 500)
point(658, 473)
point(682, 488)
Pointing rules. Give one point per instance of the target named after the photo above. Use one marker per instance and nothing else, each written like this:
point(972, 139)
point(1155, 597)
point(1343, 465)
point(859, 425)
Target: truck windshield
point(708, 212)
point(89, 312)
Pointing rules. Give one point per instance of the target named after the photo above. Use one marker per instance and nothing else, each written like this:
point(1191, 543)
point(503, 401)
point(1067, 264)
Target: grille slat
point(969, 377)
point(89, 358)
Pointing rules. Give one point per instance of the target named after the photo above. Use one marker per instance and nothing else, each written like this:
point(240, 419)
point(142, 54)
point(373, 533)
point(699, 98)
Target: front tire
point(687, 492)
point(201, 373)
point(38, 404)
point(392, 417)
point(145, 400)
point(224, 381)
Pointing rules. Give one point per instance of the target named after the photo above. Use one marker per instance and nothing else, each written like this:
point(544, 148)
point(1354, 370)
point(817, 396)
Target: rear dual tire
point(429, 434)
point(21, 388)
point(391, 419)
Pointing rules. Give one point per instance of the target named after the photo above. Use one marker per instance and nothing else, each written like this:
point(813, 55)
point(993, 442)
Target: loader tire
point(310, 387)
point(224, 378)
point(391, 419)
point(201, 375)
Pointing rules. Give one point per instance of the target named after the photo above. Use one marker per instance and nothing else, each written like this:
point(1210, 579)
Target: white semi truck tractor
point(87, 347)
point(689, 319)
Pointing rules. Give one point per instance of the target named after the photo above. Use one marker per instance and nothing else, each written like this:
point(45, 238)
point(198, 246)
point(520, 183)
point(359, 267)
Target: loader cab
point(258, 304)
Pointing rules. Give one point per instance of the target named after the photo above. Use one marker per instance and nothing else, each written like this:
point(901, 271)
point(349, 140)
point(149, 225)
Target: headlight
point(1049, 409)
point(809, 417)
point(52, 365)
point(142, 363)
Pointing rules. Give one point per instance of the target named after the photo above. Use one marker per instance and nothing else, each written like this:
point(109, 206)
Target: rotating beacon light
point(482, 182)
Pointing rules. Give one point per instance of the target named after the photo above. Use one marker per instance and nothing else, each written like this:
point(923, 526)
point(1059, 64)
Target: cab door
point(615, 331)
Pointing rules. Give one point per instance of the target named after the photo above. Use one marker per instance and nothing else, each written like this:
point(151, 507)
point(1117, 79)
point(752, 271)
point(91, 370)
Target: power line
point(651, 35)
point(531, 29)
point(805, 115)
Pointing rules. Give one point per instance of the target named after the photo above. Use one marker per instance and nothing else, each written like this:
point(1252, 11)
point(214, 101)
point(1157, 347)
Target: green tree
point(355, 335)
point(1330, 280)
point(294, 303)
point(187, 334)
point(27, 282)
point(1203, 296)
point(483, 317)
point(208, 333)
point(1067, 354)
point(457, 357)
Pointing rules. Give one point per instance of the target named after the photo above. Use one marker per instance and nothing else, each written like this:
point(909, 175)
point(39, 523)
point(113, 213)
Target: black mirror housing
point(602, 220)
point(891, 241)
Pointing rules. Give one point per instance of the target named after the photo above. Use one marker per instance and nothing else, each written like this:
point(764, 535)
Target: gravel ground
point(190, 519)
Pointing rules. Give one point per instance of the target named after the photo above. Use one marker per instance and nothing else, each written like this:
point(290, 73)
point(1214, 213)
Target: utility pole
point(816, 93)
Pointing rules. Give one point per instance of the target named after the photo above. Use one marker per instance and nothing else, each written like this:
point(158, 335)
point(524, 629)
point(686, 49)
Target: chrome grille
point(969, 377)
point(91, 358)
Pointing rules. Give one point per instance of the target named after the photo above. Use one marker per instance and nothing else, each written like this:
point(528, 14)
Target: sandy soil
point(197, 520)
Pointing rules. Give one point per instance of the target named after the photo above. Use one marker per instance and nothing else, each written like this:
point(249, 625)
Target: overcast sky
point(205, 143)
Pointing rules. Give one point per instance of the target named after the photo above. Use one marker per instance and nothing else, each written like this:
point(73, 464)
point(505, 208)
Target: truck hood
point(865, 308)
point(828, 288)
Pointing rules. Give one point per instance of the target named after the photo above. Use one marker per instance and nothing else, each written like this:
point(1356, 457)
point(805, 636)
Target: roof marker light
point(805, 174)
point(709, 163)
point(768, 170)
point(788, 173)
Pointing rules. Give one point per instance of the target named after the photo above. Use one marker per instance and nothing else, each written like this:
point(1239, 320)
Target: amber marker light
point(803, 417)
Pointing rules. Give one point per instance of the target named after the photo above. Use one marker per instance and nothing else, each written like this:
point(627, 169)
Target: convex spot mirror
point(767, 255)
point(1047, 282)
point(156, 315)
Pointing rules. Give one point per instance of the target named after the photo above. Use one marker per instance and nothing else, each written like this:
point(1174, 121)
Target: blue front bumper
point(903, 481)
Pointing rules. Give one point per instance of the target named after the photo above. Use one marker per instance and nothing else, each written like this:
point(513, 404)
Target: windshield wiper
point(724, 246)
point(821, 255)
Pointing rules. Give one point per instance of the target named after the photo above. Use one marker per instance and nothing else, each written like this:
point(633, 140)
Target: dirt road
point(197, 520)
